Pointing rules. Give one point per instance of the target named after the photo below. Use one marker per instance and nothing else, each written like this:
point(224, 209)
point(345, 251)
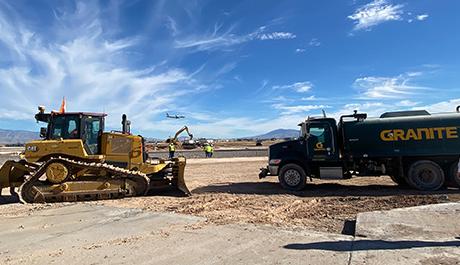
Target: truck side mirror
point(43, 132)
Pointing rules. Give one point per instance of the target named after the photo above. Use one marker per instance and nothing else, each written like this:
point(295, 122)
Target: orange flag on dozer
point(62, 109)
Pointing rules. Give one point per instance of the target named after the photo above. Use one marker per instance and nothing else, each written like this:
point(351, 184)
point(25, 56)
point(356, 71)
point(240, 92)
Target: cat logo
point(419, 134)
point(319, 146)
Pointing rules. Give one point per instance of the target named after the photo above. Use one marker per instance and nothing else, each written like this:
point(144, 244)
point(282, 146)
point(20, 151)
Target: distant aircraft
point(174, 116)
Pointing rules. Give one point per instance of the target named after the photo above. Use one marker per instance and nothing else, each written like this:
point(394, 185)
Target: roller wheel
point(56, 172)
point(425, 175)
point(292, 177)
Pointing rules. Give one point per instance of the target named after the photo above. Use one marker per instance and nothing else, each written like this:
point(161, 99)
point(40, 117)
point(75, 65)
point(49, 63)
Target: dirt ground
point(228, 191)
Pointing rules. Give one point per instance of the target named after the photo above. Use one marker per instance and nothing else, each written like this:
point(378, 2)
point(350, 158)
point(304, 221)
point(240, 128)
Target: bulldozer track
point(129, 183)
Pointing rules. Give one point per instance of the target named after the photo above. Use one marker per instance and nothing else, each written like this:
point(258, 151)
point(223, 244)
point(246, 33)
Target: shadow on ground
point(7, 199)
point(316, 190)
point(360, 245)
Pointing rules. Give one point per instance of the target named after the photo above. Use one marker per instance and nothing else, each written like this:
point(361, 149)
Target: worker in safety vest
point(172, 149)
point(211, 150)
point(206, 150)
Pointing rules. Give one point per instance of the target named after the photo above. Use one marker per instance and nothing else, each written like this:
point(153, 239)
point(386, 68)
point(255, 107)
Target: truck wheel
point(452, 178)
point(292, 177)
point(425, 175)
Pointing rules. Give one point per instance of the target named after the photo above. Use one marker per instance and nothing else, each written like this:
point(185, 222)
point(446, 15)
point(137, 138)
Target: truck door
point(321, 142)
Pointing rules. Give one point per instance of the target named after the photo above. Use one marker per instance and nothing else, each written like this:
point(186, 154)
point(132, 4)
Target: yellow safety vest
point(172, 147)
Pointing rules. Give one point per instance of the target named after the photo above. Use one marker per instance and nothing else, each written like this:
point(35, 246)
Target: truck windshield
point(317, 131)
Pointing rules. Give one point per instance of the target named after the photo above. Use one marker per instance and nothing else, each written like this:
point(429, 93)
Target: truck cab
point(315, 153)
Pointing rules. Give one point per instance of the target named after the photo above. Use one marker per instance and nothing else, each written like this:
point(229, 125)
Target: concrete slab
point(416, 235)
point(91, 234)
point(440, 221)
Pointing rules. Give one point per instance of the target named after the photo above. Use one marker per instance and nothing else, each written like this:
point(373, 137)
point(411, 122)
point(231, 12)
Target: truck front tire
point(425, 175)
point(292, 177)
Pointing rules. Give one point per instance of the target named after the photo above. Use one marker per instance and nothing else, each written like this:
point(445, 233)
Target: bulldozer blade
point(12, 173)
point(181, 185)
point(181, 161)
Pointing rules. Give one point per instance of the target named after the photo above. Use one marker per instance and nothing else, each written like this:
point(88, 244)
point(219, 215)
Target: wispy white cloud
point(172, 25)
point(211, 41)
point(314, 42)
point(375, 87)
point(238, 78)
point(375, 13)
point(228, 67)
point(407, 103)
point(288, 110)
point(276, 36)
point(300, 87)
point(220, 39)
point(422, 17)
point(92, 70)
point(263, 85)
point(311, 98)
point(373, 109)
point(443, 106)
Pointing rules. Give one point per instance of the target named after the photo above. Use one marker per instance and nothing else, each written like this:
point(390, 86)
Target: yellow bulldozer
point(77, 161)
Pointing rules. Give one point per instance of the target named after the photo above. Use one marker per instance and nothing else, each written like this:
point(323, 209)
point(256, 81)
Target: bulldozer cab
point(85, 126)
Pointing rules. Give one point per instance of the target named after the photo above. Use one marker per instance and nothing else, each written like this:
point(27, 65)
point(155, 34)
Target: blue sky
point(233, 68)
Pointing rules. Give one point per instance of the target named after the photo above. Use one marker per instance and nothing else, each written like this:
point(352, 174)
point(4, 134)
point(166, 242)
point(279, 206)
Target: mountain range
point(278, 134)
point(17, 137)
point(14, 136)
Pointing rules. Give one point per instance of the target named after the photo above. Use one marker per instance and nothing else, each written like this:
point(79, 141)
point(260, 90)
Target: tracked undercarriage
point(66, 180)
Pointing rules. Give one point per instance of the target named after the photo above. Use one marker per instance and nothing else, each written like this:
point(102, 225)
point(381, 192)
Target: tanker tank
point(413, 133)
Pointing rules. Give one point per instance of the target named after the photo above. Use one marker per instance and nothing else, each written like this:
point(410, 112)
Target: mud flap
point(264, 172)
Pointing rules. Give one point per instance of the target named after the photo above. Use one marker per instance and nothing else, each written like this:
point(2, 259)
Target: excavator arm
point(185, 128)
